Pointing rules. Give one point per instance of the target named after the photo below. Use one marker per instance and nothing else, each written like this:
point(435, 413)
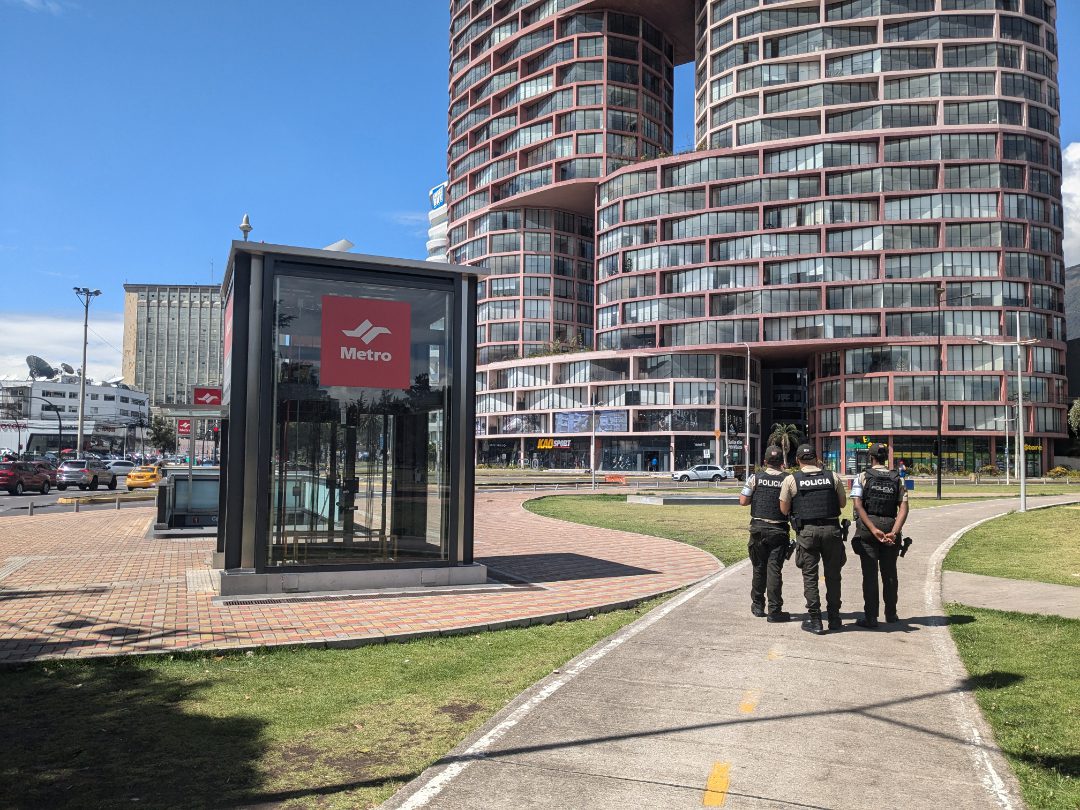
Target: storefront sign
point(1033, 448)
point(552, 444)
point(612, 422)
point(734, 444)
point(365, 342)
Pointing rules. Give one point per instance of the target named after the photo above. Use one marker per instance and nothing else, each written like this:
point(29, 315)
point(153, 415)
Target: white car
point(704, 472)
point(120, 467)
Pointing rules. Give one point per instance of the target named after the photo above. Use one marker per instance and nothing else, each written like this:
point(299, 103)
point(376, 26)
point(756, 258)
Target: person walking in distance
point(814, 497)
point(881, 508)
point(769, 538)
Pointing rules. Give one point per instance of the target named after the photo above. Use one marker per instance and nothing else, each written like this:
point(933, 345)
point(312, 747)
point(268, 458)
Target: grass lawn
point(719, 530)
point(303, 727)
point(1026, 685)
point(1043, 545)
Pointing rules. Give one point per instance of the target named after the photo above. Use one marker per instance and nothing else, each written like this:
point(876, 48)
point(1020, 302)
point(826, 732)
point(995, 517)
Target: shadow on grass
point(106, 735)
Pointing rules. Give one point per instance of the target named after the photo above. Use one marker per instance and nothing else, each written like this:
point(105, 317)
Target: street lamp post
point(746, 438)
point(1021, 447)
point(85, 295)
point(937, 387)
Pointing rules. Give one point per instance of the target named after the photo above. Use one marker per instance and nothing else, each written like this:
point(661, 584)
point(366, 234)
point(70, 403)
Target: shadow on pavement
point(560, 567)
point(989, 680)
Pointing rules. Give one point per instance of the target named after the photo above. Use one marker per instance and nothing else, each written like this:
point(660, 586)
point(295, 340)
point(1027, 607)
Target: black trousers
point(878, 559)
point(768, 549)
point(822, 545)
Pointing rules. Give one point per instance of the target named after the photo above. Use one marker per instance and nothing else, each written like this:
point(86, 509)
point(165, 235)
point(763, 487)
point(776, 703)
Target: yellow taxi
point(144, 477)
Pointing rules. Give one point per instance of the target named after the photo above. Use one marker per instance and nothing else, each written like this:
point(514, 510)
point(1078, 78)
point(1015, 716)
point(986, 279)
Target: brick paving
point(91, 584)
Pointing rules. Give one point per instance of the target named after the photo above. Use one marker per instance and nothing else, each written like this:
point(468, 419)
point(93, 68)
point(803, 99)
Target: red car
point(18, 476)
point(48, 470)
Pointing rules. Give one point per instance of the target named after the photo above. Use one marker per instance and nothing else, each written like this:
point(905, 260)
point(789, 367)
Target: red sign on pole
point(183, 427)
point(206, 395)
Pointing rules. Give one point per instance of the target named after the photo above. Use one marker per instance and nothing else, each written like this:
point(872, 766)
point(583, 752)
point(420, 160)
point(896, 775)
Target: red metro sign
point(183, 427)
point(365, 342)
point(205, 395)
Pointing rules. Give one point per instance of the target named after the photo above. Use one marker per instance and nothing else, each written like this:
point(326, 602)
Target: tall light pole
point(1021, 447)
point(85, 295)
point(937, 387)
point(746, 439)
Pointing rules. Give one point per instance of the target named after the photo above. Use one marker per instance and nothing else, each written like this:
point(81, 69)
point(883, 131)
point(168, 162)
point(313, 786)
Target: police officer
point(768, 536)
point(814, 497)
point(881, 508)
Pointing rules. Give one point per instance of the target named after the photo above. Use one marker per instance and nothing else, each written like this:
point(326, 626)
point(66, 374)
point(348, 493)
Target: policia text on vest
point(770, 542)
point(881, 508)
point(813, 498)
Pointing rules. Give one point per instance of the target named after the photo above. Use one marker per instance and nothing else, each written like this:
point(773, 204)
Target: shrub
point(990, 470)
point(923, 469)
point(1058, 472)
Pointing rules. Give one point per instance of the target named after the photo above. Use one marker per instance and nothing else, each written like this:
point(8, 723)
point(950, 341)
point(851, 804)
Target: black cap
point(774, 455)
point(806, 452)
point(879, 450)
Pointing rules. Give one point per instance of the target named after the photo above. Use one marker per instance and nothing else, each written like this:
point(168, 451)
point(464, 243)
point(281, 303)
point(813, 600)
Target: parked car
point(48, 469)
point(704, 472)
point(87, 473)
point(120, 466)
point(144, 477)
point(18, 476)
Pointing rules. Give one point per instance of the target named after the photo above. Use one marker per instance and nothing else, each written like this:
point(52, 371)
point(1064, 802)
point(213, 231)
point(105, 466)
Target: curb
point(112, 497)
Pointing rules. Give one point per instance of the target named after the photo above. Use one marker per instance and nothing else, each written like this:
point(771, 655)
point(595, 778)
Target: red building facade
point(874, 201)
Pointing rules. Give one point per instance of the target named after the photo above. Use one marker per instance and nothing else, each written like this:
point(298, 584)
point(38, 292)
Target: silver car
point(85, 474)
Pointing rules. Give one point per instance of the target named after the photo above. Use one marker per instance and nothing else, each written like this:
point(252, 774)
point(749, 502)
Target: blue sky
point(135, 134)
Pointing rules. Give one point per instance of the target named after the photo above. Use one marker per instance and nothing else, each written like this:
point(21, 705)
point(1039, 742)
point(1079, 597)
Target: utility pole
point(85, 295)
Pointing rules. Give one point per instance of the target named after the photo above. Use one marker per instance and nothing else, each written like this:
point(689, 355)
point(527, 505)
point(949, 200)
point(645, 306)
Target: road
point(12, 505)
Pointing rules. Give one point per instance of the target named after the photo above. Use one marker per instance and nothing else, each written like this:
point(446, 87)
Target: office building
point(42, 416)
point(436, 244)
point(172, 339)
point(875, 189)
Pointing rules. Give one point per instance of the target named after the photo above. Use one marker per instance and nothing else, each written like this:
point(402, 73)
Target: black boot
point(834, 620)
point(757, 611)
point(813, 624)
point(870, 623)
point(891, 618)
point(779, 616)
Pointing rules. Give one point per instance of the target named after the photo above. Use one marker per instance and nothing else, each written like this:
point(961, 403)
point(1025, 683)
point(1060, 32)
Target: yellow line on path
point(750, 700)
point(716, 787)
point(775, 653)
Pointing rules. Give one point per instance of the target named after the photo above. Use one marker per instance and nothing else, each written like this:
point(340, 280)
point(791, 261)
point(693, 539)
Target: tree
point(1074, 418)
point(162, 435)
point(786, 436)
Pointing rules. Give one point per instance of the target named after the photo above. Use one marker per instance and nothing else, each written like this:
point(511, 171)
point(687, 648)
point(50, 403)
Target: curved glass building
point(873, 203)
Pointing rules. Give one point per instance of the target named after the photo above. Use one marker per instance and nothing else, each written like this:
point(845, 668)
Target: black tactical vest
point(815, 497)
point(881, 493)
point(765, 499)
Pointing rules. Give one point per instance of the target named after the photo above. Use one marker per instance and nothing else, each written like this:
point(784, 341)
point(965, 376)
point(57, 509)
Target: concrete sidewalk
point(701, 703)
point(1020, 595)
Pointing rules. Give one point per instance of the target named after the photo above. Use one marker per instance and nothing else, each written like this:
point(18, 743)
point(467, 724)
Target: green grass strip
point(1025, 670)
point(1041, 546)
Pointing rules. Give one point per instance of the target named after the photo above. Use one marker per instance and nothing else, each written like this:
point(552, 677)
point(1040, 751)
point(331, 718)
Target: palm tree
point(786, 436)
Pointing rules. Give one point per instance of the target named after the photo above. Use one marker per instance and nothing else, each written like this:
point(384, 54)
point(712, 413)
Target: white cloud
point(1070, 195)
point(54, 7)
point(58, 339)
point(414, 222)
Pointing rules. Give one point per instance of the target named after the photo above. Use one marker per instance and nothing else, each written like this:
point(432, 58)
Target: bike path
point(700, 703)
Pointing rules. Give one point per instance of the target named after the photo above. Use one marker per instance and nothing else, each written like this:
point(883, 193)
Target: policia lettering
point(881, 508)
point(769, 539)
point(814, 497)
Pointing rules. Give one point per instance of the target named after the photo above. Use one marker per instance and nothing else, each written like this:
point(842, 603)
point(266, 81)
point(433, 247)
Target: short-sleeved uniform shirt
point(751, 485)
point(790, 488)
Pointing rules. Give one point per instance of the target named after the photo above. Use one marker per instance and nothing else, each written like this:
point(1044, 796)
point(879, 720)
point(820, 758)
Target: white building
point(437, 233)
point(43, 415)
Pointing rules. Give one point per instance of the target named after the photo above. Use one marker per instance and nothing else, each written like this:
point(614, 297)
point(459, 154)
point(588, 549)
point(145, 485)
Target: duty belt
point(822, 522)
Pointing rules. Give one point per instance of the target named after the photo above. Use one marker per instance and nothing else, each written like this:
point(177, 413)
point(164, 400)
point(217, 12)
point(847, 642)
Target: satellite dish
point(39, 368)
point(67, 369)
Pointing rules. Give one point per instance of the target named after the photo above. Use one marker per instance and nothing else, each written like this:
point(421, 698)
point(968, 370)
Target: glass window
point(352, 416)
